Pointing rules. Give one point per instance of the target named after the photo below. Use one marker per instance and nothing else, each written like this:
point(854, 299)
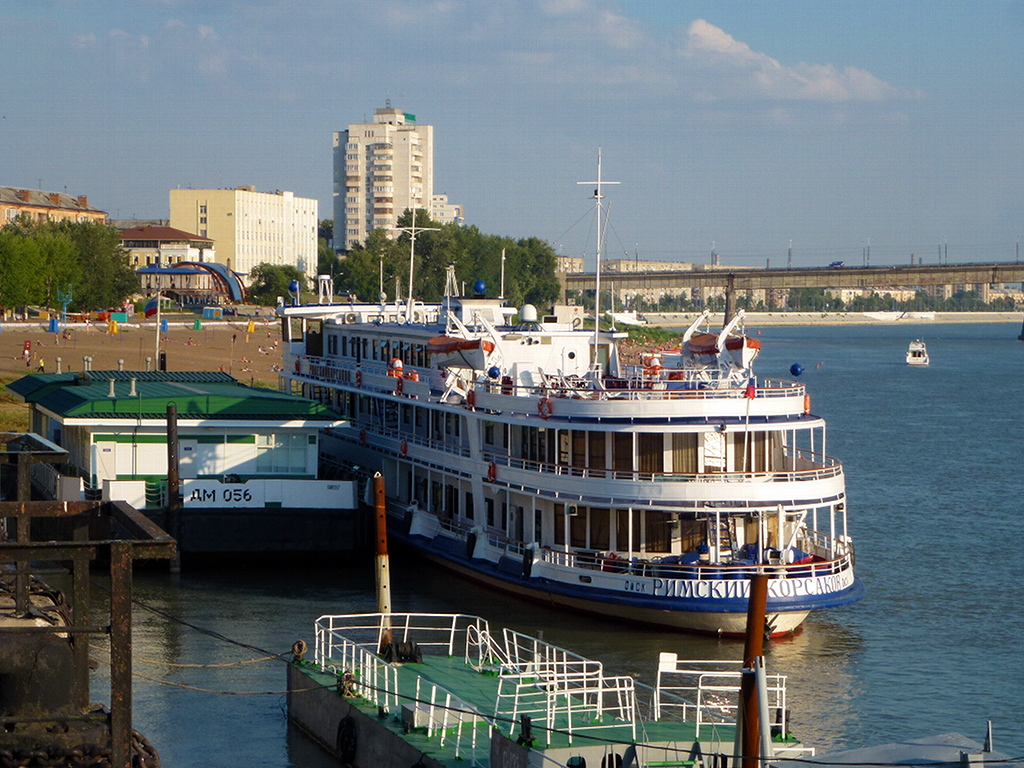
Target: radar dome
point(528, 314)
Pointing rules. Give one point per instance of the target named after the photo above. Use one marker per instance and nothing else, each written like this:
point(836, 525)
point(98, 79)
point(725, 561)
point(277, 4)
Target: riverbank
point(253, 358)
point(753, 319)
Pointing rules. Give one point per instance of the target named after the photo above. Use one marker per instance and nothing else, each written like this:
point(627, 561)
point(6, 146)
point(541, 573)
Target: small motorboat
point(917, 353)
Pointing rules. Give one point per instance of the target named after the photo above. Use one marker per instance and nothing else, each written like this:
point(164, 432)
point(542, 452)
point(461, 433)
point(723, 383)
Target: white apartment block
point(444, 212)
point(380, 170)
point(250, 227)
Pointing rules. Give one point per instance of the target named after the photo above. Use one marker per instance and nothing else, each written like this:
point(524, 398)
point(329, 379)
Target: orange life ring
point(492, 472)
point(399, 384)
point(544, 407)
point(807, 403)
point(471, 398)
point(411, 376)
point(362, 436)
point(359, 378)
point(405, 447)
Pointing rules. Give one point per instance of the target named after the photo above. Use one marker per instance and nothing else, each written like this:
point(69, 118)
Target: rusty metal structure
point(46, 716)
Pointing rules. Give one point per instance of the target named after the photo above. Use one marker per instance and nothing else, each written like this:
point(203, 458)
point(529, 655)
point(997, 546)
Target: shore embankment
point(763, 319)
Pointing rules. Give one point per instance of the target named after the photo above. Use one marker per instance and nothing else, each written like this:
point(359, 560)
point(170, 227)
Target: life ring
point(405, 448)
point(471, 398)
point(411, 376)
point(399, 383)
point(492, 472)
point(807, 403)
point(359, 378)
point(298, 366)
point(544, 407)
point(362, 436)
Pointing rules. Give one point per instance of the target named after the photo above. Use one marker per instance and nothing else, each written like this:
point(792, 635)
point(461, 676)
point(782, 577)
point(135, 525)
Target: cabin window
point(622, 451)
point(579, 448)
point(651, 452)
point(600, 529)
point(406, 415)
point(578, 527)
point(684, 453)
point(622, 539)
point(344, 346)
point(469, 512)
point(596, 446)
point(658, 532)
point(560, 524)
point(489, 433)
point(504, 516)
point(489, 508)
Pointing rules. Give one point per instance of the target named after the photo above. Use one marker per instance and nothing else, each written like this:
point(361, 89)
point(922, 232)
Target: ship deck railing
point(707, 691)
point(376, 375)
point(668, 567)
point(814, 467)
point(465, 682)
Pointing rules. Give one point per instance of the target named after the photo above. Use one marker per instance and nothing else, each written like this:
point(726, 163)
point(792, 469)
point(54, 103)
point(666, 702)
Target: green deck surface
point(479, 691)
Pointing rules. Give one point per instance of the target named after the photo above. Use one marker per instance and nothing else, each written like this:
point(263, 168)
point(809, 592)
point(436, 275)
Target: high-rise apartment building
point(250, 227)
point(380, 170)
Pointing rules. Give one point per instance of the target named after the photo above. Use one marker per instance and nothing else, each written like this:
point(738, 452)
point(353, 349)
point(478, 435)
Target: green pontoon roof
point(197, 395)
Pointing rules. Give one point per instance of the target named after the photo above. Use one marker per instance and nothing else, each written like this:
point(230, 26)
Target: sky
point(742, 127)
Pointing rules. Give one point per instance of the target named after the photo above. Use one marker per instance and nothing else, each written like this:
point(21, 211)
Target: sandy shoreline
point(218, 345)
point(683, 319)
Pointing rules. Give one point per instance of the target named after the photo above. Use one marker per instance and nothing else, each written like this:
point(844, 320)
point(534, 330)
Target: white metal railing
point(548, 683)
point(348, 647)
point(707, 691)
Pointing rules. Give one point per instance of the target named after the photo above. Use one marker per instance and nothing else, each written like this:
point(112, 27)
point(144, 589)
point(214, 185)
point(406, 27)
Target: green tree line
point(530, 265)
point(40, 260)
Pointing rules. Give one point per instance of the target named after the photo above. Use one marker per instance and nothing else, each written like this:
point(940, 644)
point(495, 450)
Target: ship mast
point(411, 231)
point(598, 197)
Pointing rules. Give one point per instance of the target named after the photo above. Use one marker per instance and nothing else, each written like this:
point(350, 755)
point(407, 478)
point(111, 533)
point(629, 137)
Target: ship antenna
point(411, 231)
point(598, 197)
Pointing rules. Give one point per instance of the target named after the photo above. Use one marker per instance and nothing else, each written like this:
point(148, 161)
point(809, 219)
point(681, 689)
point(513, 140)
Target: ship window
point(622, 451)
point(578, 528)
point(469, 506)
point(560, 524)
point(489, 506)
point(489, 433)
point(658, 532)
point(600, 531)
point(504, 516)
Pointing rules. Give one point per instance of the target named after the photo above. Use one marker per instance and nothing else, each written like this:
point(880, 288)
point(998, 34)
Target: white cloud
point(730, 68)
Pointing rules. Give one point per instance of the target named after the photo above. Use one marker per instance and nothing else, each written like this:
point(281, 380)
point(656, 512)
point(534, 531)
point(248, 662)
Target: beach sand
point(252, 358)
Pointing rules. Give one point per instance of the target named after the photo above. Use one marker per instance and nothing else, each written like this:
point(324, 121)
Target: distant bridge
point(733, 280)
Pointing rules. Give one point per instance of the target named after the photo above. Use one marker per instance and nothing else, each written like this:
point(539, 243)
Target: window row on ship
point(651, 532)
point(549, 449)
point(359, 348)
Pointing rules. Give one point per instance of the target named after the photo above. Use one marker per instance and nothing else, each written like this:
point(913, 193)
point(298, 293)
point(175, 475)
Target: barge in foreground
point(400, 689)
point(527, 454)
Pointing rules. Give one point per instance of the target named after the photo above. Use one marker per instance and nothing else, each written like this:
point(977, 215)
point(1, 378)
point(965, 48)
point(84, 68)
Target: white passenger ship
point(527, 454)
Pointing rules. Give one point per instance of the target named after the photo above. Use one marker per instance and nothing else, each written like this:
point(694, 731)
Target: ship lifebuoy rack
point(492, 472)
point(807, 404)
point(544, 407)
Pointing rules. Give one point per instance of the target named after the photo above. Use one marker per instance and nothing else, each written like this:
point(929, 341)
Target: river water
point(932, 458)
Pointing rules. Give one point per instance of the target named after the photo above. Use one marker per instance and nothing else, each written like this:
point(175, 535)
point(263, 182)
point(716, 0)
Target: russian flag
point(151, 307)
point(751, 389)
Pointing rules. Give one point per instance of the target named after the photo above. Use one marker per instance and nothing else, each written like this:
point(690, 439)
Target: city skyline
point(730, 126)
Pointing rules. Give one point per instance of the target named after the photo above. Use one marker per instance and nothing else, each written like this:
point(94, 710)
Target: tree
point(105, 277)
point(269, 281)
